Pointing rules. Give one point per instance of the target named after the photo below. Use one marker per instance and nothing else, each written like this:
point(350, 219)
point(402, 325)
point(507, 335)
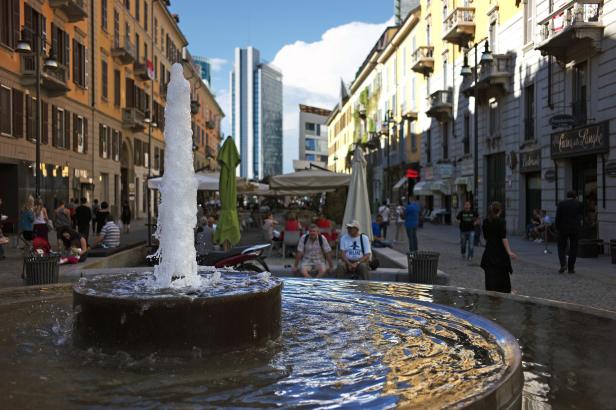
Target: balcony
point(133, 118)
point(494, 78)
point(572, 32)
point(194, 107)
point(55, 82)
point(123, 51)
point(75, 10)
point(141, 71)
point(459, 26)
point(423, 60)
point(440, 105)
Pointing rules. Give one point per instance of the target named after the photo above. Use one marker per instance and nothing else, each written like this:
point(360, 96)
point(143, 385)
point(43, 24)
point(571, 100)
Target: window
point(78, 133)
point(127, 4)
point(6, 126)
point(493, 117)
point(103, 141)
point(492, 37)
point(467, 134)
point(428, 146)
point(104, 15)
point(310, 144)
point(138, 152)
point(156, 158)
point(529, 112)
point(137, 11)
point(117, 85)
point(116, 29)
point(529, 11)
point(310, 126)
point(146, 154)
point(310, 157)
point(60, 125)
point(60, 45)
point(145, 16)
point(445, 72)
point(580, 82)
point(156, 31)
point(137, 47)
point(9, 22)
point(115, 145)
point(413, 137)
point(79, 63)
point(445, 140)
point(104, 74)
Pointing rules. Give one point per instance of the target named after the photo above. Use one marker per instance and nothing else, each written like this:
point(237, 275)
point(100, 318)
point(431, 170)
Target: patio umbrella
point(357, 204)
point(309, 179)
point(209, 181)
point(228, 229)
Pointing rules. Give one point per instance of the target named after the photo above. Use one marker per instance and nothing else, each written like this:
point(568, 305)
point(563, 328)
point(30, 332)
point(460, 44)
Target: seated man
point(379, 241)
point(109, 236)
point(355, 254)
point(312, 252)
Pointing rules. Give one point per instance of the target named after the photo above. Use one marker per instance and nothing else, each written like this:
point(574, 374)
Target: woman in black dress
point(126, 216)
point(496, 260)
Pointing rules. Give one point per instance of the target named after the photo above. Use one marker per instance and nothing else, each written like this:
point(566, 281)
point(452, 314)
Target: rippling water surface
point(342, 344)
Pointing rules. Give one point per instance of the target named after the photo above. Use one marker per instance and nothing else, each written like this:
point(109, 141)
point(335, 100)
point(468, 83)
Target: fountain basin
point(124, 312)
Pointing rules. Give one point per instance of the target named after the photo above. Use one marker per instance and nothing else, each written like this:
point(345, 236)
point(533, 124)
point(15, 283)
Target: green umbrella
point(228, 228)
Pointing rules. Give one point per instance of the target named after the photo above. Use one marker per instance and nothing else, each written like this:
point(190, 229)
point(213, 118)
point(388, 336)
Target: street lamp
point(389, 119)
point(50, 63)
point(486, 58)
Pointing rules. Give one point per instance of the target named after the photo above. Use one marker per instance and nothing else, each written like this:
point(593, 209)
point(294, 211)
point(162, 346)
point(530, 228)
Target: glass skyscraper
point(256, 114)
point(206, 69)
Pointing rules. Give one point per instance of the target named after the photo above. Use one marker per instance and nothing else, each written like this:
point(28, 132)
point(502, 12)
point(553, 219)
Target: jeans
point(412, 235)
point(384, 226)
point(467, 237)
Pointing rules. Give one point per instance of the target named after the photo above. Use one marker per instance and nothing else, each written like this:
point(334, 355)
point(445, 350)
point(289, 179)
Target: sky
point(315, 44)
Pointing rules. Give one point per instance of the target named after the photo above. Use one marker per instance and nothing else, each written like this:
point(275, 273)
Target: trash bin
point(423, 266)
point(41, 270)
point(613, 250)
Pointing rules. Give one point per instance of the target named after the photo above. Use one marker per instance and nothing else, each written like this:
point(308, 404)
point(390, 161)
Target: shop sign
point(591, 139)
point(530, 161)
point(444, 170)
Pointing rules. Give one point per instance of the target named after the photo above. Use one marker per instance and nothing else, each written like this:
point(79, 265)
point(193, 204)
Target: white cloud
point(217, 63)
point(312, 73)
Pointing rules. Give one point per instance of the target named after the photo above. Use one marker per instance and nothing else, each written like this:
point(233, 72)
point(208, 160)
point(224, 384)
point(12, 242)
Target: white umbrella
point(205, 182)
point(357, 204)
point(313, 179)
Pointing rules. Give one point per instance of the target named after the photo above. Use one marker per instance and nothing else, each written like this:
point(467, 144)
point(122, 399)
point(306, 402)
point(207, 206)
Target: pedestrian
point(399, 221)
point(378, 240)
point(83, 217)
point(313, 254)
point(384, 212)
point(496, 259)
point(468, 219)
point(101, 216)
point(41, 223)
point(411, 220)
point(26, 220)
point(355, 254)
point(109, 236)
point(95, 207)
point(75, 246)
point(568, 222)
point(62, 218)
point(126, 216)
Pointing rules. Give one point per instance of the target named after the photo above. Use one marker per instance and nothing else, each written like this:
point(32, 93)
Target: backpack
point(320, 244)
point(373, 262)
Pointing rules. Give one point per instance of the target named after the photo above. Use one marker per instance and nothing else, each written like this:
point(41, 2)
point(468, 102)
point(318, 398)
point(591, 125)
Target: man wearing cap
point(355, 254)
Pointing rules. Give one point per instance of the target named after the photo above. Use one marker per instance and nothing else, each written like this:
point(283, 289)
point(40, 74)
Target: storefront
point(530, 169)
point(580, 151)
point(495, 179)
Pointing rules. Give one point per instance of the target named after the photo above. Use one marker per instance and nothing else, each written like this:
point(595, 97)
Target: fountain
point(186, 337)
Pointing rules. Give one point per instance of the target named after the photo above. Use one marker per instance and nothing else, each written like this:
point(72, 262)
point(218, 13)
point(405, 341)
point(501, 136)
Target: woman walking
point(126, 216)
point(496, 260)
point(26, 219)
point(41, 220)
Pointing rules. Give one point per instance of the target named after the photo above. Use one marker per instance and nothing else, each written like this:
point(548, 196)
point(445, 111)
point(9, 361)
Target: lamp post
point(389, 119)
point(486, 58)
point(24, 47)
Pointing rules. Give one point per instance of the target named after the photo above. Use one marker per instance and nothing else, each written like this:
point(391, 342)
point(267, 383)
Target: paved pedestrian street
point(535, 273)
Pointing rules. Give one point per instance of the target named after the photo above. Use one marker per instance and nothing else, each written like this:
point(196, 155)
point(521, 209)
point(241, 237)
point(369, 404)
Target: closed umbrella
point(228, 229)
point(357, 204)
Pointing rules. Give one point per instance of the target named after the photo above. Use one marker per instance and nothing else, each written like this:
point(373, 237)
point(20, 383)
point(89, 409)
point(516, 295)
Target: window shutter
point(120, 146)
point(67, 51)
point(16, 23)
point(75, 133)
point(85, 64)
point(109, 142)
point(18, 113)
point(75, 63)
point(29, 118)
point(101, 132)
point(67, 130)
point(54, 41)
point(45, 130)
point(54, 126)
point(85, 135)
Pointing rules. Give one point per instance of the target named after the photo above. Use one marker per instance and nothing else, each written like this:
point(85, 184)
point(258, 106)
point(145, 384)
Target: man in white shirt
point(313, 251)
point(384, 212)
point(355, 254)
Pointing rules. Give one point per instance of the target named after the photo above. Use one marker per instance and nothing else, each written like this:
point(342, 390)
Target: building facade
point(312, 137)
point(256, 114)
point(531, 117)
point(102, 116)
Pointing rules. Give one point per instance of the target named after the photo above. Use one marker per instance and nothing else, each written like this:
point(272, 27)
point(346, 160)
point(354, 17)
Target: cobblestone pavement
point(535, 273)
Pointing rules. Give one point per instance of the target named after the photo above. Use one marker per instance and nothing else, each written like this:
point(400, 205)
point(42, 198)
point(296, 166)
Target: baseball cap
point(353, 224)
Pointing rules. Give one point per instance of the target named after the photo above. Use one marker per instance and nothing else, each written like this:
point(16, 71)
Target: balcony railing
point(75, 10)
point(573, 31)
point(133, 118)
point(55, 81)
point(141, 71)
point(440, 103)
point(423, 60)
point(459, 26)
point(494, 78)
point(123, 50)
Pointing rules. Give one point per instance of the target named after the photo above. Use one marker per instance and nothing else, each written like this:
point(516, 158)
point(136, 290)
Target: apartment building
point(312, 137)
point(102, 108)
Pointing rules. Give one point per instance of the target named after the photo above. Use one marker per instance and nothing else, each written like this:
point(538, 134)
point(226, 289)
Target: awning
point(422, 188)
point(467, 181)
point(443, 186)
point(310, 179)
point(401, 183)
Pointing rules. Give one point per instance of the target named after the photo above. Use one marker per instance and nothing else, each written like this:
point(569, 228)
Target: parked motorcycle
point(249, 258)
